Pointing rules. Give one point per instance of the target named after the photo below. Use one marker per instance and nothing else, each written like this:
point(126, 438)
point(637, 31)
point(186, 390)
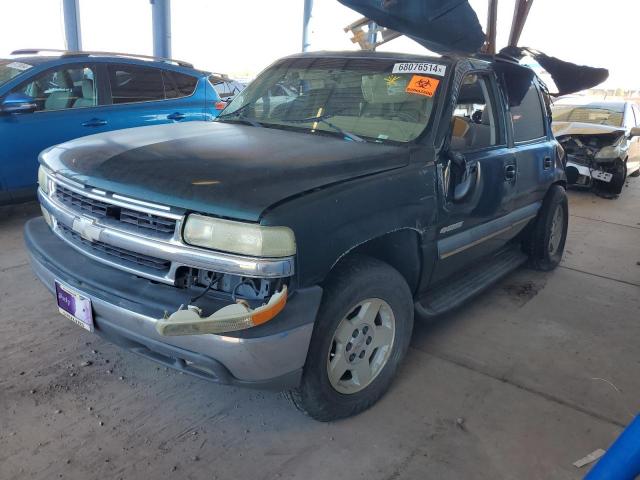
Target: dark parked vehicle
point(287, 245)
point(52, 96)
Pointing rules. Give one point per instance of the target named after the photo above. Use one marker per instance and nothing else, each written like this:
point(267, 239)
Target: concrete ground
point(519, 384)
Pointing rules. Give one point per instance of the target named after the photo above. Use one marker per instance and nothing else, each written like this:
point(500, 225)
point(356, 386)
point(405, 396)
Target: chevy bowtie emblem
point(86, 228)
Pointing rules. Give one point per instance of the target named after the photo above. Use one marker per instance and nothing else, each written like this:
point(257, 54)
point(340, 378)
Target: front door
point(471, 225)
point(67, 104)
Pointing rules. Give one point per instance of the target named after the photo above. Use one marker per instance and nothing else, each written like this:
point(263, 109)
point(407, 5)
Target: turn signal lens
point(238, 237)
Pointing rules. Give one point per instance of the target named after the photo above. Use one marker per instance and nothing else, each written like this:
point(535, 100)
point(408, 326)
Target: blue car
point(49, 97)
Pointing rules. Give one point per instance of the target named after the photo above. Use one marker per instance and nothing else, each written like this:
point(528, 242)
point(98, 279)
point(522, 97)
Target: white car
point(601, 140)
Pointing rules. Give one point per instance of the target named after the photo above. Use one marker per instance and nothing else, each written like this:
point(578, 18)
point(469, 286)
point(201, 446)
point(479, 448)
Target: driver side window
point(474, 125)
point(67, 87)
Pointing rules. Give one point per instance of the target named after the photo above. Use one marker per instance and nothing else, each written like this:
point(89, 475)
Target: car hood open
point(561, 129)
point(224, 169)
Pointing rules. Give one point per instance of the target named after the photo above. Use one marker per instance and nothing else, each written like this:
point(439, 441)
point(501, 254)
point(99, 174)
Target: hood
point(224, 169)
point(561, 129)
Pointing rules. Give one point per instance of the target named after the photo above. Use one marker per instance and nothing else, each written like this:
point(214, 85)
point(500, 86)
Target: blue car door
point(142, 95)
point(67, 102)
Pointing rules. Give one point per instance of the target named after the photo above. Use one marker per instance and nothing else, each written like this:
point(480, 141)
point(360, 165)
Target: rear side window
point(225, 87)
point(132, 84)
point(528, 123)
point(178, 85)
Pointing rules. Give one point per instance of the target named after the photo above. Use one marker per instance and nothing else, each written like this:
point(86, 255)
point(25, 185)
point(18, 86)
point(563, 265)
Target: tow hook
point(237, 316)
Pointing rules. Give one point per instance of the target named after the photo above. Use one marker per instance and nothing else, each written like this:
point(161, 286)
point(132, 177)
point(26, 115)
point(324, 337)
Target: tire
point(542, 242)
point(358, 286)
point(636, 173)
point(617, 182)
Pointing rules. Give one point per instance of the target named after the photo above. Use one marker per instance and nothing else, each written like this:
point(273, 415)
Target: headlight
point(238, 237)
point(43, 180)
point(609, 152)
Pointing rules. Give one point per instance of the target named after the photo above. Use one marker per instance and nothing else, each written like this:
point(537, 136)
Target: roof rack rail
point(81, 53)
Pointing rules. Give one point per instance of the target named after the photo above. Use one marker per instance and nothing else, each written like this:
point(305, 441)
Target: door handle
point(547, 163)
point(176, 116)
point(509, 172)
point(95, 122)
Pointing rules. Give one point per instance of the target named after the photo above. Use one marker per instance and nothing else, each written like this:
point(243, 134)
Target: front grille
point(126, 256)
point(81, 203)
point(128, 218)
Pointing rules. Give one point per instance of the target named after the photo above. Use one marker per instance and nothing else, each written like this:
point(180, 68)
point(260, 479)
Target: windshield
point(10, 69)
point(600, 114)
point(357, 99)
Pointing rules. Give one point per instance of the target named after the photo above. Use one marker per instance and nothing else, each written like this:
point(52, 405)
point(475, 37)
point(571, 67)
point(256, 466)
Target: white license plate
point(600, 175)
point(74, 306)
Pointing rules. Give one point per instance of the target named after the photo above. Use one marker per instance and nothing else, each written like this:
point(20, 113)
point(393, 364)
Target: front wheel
point(360, 338)
point(544, 240)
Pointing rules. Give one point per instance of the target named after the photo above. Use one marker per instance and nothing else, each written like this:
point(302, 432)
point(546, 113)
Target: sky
point(242, 37)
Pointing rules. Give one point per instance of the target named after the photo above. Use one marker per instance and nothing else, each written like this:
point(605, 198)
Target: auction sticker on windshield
point(19, 65)
point(422, 85)
point(429, 68)
point(74, 306)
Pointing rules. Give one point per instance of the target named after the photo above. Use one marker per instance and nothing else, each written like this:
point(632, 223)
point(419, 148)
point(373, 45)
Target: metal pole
point(161, 18)
point(520, 14)
point(492, 20)
point(306, 19)
point(72, 33)
point(373, 35)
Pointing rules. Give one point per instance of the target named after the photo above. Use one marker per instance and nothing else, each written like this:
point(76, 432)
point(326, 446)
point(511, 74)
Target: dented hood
point(561, 129)
point(224, 169)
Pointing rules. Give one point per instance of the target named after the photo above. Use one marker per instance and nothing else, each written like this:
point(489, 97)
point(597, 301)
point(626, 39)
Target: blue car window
point(177, 85)
point(134, 84)
point(63, 88)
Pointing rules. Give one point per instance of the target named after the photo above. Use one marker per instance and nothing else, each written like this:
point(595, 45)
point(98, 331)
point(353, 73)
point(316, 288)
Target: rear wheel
point(544, 240)
point(361, 335)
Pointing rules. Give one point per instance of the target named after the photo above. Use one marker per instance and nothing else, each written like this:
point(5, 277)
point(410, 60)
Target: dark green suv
point(290, 243)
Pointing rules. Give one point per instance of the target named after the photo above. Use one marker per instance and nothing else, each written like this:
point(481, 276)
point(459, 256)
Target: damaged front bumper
point(128, 309)
point(580, 174)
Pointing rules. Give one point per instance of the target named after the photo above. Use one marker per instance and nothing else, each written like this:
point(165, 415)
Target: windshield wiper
point(323, 119)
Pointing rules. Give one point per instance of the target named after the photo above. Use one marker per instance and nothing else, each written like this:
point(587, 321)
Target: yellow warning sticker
point(422, 85)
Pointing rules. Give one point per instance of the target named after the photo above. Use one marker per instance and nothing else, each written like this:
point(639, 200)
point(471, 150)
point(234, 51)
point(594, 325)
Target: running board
point(469, 283)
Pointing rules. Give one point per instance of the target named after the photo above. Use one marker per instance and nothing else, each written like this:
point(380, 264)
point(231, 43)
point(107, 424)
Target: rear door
point(474, 226)
point(144, 95)
point(68, 100)
point(534, 147)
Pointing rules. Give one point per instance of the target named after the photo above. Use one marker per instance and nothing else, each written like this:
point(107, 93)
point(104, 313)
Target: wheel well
point(400, 249)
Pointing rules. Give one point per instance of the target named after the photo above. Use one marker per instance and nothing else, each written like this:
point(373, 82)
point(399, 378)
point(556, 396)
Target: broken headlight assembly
point(239, 237)
point(260, 299)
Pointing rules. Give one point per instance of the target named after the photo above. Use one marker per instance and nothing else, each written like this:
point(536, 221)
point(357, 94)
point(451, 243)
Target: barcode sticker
point(430, 68)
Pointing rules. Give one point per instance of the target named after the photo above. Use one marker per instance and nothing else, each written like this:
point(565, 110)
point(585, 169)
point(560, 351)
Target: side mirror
point(635, 132)
point(466, 176)
point(18, 103)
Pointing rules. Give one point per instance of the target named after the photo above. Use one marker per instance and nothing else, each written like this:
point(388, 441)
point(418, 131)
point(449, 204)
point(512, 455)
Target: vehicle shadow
point(15, 213)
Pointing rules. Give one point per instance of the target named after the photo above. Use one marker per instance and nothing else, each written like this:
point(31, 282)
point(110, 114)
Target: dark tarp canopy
point(452, 26)
point(443, 26)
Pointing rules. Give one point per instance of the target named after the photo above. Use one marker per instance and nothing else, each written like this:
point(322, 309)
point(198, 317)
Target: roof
point(38, 56)
point(372, 54)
